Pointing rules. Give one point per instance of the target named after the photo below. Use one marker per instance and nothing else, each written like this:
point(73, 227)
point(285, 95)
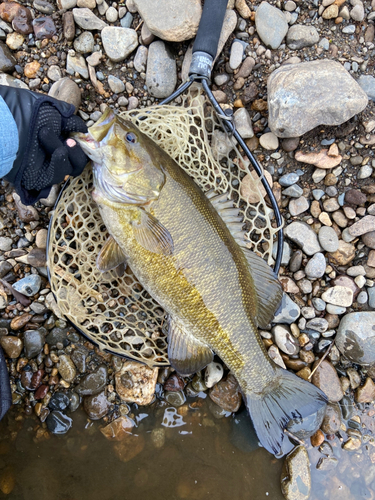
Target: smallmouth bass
point(186, 248)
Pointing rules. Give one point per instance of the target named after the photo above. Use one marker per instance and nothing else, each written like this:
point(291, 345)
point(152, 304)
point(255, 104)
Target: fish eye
point(130, 137)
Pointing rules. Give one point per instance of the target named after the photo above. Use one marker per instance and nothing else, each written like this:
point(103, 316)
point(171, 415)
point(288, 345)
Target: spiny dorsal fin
point(152, 235)
point(186, 354)
point(268, 287)
point(230, 215)
point(110, 256)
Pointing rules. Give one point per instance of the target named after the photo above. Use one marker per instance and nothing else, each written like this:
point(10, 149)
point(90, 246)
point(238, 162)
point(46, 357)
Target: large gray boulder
point(306, 95)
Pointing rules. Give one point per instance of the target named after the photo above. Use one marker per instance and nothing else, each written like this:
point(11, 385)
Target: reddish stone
point(174, 383)
point(37, 379)
point(44, 27)
point(19, 321)
point(22, 22)
point(26, 377)
point(9, 10)
point(41, 392)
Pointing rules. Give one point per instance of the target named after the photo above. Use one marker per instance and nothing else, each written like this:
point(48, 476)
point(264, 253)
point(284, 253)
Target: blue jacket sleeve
point(8, 139)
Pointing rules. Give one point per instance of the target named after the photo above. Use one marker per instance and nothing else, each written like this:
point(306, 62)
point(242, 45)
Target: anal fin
point(267, 286)
point(186, 354)
point(110, 256)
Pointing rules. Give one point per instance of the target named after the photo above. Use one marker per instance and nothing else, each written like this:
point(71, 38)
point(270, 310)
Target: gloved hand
point(45, 154)
point(5, 394)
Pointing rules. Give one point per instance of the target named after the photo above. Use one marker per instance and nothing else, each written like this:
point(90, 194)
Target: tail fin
point(286, 398)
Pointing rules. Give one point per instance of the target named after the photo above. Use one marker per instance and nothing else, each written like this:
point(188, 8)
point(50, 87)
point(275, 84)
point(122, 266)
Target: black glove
point(44, 158)
point(5, 394)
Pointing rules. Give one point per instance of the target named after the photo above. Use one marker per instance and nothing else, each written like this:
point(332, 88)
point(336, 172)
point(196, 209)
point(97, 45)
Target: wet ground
point(183, 453)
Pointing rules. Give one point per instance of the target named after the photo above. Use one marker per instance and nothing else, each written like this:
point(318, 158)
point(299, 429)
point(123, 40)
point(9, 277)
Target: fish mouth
point(86, 141)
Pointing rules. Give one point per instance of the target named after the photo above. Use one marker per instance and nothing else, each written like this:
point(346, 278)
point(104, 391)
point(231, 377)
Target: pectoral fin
point(152, 235)
point(268, 288)
point(110, 256)
point(186, 354)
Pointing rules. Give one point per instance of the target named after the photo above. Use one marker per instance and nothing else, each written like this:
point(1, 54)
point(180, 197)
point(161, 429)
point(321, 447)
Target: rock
point(20, 321)
point(126, 21)
point(129, 447)
point(11, 345)
point(331, 12)
point(94, 59)
point(111, 15)
point(79, 356)
point(14, 41)
point(302, 234)
point(340, 97)
point(58, 423)
point(366, 393)
point(161, 76)
point(326, 378)
point(68, 91)
point(308, 426)
point(328, 239)
point(44, 7)
point(338, 296)
point(115, 84)
point(322, 160)
point(158, 437)
point(175, 398)
point(93, 383)
point(31, 69)
point(236, 54)
point(66, 368)
point(229, 24)
point(140, 59)
point(358, 12)
point(363, 226)
point(295, 477)
point(247, 183)
point(332, 419)
point(274, 354)
point(171, 20)
point(269, 141)
point(59, 401)
point(7, 60)
point(242, 122)
point(89, 4)
point(355, 337)
point(355, 197)
point(369, 239)
point(285, 340)
point(174, 383)
point(344, 254)
point(77, 64)
point(10, 81)
point(96, 406)
point(288, 311)
point(246, 68)
point(298, 205)
point(367, 84)
point(54, 73)
point(213, 374)
point(69, 27)
point(87, 20)
point(227, 394)
point(66, 4)
point(28, 286)
point(271, 25)
point(119, 429)
point(37, 257)
point(33, 343)
point(118, 43)
point(5, 243)
point(318, 324)
point(316, 266)
point(41, 238)
point(300, 36)
point(84, 43)
point(136, 383)
point(44, 27)
point(146, 35)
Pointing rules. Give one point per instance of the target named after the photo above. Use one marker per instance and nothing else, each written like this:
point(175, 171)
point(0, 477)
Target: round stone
point(58, 423)
point(328, 239)
point(355, 337)
point(316, 266)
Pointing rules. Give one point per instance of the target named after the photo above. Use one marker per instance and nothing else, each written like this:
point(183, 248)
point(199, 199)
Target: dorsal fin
point(267, 286)
point(230, 215)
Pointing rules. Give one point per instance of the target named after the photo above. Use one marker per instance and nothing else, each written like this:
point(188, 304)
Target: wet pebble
point(96, 406)
point(332, 419)
point(213, 374)
point(93, 383)
point(33, 343)
point(58, 423)
point(66, 368)
point(325, 377)
point(295, 477)
point(227, 394)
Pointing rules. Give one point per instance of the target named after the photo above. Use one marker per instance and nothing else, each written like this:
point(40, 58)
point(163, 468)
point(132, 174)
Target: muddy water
point(173, 454)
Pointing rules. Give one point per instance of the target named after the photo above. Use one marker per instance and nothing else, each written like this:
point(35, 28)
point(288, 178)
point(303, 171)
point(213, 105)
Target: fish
point(187, 249)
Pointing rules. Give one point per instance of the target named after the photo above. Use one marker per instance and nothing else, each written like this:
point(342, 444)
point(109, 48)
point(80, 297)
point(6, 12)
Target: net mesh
point(112, 309)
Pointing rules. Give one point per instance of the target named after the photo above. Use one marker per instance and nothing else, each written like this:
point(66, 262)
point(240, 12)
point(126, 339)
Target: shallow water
point(201, 457)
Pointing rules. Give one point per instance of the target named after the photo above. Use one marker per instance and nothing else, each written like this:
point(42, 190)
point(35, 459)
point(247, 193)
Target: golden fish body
point(185, 255)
